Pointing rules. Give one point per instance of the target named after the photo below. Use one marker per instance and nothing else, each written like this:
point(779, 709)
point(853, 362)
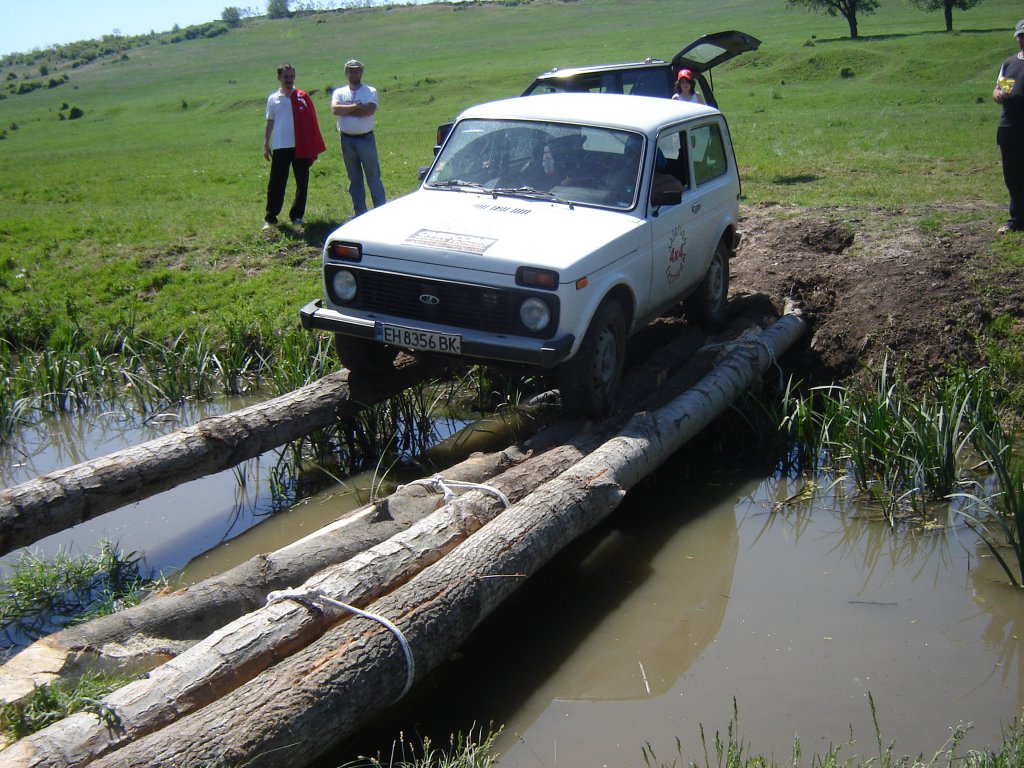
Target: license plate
point(425, 340)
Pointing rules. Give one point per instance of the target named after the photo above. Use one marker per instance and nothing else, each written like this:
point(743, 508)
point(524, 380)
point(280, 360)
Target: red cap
point(685, 73)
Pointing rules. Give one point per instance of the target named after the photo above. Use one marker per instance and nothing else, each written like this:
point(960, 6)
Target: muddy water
point(699, 592)
point(695, 597)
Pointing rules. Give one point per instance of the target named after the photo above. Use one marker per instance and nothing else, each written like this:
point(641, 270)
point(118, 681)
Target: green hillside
point(145, 211)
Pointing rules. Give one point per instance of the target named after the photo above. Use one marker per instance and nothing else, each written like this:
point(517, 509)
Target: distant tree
point(947, 7)
point(277, 9)
point(848, 9)
point(232, 16)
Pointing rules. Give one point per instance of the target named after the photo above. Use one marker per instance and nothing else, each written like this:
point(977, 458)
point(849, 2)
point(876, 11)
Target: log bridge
point(303, 645)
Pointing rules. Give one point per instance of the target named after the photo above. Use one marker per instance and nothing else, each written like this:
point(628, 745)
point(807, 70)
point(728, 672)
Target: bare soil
point(889, 284)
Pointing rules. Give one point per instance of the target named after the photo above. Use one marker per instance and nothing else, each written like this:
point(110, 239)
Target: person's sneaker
point(297, 223)
point(266, 225)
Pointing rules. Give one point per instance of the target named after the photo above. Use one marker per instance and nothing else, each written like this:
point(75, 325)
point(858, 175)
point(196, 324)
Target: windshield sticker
point(451, 241)
point(676, 255)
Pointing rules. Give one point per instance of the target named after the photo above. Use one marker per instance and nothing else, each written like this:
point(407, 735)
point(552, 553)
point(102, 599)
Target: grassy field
point(144, 213)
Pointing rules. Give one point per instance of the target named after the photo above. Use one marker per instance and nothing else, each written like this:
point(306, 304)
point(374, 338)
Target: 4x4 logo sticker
point(676, 255)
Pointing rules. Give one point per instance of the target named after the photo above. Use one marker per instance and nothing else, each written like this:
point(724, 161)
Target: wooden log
point(326, 691)
point(56, 501)
point(139, 638)
point(239, 651)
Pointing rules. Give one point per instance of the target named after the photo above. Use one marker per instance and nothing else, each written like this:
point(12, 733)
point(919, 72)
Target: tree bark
point(139, 638)
point(239, 651)
point(51, 503)
point(326, 691)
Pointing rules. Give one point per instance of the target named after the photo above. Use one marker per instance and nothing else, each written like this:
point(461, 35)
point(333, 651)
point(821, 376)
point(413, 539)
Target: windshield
point(564, 162)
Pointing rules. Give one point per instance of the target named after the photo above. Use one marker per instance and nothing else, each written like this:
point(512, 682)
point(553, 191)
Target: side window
point(671, 157)
point(647, 82)
point(707, 148)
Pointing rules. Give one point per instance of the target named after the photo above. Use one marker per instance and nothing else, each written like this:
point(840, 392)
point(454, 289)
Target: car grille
point(463, 305)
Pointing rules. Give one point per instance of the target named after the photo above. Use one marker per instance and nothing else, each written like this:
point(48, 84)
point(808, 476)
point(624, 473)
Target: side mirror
point(666, 197)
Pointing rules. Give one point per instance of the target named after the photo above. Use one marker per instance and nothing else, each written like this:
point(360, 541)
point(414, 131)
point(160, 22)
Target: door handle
point(695, 207)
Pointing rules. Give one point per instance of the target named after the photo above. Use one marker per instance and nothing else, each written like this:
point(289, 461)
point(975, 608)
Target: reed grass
point(999, 516)
point(906, 450)
point(913, 453)
point(472, 750)
point(142, 376)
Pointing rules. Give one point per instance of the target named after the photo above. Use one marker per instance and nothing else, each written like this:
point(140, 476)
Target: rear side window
point(707, 150)
point(647, 82)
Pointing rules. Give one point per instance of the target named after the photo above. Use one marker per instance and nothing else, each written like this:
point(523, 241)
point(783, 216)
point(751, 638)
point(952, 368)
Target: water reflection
point(999, 604)
point(167, 529)
point(787, 595)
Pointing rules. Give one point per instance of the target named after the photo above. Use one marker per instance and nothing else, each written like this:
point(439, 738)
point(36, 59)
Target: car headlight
point(535, 314)
point(343, 284)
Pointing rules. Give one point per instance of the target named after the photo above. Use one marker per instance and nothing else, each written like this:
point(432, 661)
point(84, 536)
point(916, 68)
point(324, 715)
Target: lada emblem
point(429, 299)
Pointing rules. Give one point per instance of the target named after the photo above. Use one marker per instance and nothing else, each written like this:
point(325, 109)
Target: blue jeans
point(360, 155)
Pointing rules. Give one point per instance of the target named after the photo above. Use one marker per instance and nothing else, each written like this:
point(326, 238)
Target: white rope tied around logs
point(308, 596)
point(772, 361)
point(445, 487)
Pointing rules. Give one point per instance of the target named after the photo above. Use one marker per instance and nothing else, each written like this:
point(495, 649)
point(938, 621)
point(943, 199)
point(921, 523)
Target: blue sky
point(39, 24)
point(29, 24)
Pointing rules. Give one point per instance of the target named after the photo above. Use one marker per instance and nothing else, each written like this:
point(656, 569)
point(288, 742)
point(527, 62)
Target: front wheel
point(588, 381)
point(363, 355)
point(709, 304)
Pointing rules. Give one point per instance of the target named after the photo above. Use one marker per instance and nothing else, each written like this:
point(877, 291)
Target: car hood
point(711, 50)
point(474, 231)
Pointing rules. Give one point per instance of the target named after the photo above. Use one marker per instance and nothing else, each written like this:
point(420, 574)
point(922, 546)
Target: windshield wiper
point(454, 183)
point(530, 192)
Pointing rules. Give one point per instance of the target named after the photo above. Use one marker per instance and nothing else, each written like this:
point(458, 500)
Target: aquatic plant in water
point(39, 596)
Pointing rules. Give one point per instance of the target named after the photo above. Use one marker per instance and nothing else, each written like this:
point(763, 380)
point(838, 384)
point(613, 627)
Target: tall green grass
point(907, 449)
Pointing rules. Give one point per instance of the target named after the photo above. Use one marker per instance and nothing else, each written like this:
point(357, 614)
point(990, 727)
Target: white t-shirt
point(279, 109)
point(364, 94)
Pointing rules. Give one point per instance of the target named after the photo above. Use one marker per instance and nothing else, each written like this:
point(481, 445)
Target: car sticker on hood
point(451, 241)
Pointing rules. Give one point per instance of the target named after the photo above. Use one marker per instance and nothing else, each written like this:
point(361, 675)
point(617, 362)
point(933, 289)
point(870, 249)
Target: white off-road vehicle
point(546, 232)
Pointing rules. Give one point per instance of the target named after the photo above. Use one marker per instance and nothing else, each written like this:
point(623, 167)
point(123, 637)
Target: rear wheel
point(588, 381)
point(363, 355)
point(709, 304)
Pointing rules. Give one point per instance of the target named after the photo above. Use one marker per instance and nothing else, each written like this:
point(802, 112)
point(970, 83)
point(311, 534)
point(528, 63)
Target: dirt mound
point(885, 284)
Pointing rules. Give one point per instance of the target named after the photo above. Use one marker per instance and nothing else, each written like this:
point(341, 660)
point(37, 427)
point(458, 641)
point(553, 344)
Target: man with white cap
point(1009, 92)
point(355, 105)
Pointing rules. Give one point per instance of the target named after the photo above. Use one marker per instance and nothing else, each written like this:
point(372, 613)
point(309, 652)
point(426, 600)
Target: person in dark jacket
point(1009, 92)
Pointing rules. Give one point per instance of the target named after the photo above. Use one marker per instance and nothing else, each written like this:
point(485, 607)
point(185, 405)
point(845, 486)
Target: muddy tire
point(363, 355)
point(709, 304)
point(588, 381)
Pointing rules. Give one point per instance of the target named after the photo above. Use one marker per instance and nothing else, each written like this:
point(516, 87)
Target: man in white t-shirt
point(355, 105)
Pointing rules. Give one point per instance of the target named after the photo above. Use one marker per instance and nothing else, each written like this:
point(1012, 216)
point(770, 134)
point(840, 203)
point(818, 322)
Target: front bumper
point(542, 353)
